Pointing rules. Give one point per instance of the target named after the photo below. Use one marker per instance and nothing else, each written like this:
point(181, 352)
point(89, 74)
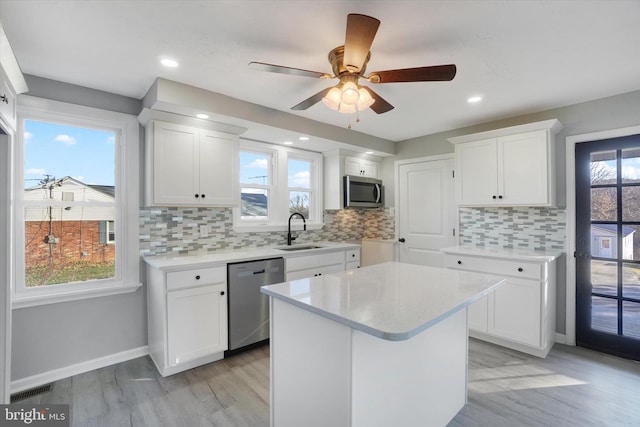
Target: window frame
point(279, 200)
point(127, 147)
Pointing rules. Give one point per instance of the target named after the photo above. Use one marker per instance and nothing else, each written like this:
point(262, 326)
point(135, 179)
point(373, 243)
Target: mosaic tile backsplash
point(177, 230)
point(521, 227)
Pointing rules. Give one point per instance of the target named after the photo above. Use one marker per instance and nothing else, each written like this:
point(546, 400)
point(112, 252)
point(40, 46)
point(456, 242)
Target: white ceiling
point(521, 56)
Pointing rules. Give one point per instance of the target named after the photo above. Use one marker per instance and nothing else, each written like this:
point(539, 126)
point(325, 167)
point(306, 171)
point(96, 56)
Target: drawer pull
point(198, 277)
point(4, 99)
point(459, 262)
point(222, 293)
point(520, 269)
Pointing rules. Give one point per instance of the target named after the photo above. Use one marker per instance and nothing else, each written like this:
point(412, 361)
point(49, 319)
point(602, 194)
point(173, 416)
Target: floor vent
point(30, 393)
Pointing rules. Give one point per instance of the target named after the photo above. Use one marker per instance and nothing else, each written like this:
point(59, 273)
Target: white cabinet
point(189, 166)
point(187, 317)
point(336, 165)
point(352, 258)
point(507, 167)
point(360, 167)
point(314, 265)
point(8, 101)
point(521, 313)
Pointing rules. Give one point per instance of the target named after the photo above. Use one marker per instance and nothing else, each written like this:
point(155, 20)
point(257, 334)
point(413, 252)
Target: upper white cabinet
point(7, 101)
point(12, 82)
point(337, 164)
point(360, 167)
point(190, 166)
point(507, 167)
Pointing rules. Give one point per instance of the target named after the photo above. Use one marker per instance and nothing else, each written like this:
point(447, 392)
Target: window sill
point(297, 227)
point(24, 301)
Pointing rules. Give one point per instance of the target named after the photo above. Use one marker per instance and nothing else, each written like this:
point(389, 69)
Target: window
point(70, 208)
point(275, 182)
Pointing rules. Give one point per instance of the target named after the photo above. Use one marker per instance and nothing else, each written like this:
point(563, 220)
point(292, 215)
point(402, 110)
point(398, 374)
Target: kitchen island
point(378, 346)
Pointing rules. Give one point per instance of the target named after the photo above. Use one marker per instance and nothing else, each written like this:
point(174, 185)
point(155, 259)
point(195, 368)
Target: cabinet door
point(175, 164)
point(7, 101)
point(352, 166)
point(523, 169)
point(196, 323)
point(514, 311)
point(476, 173)
point(369, 169)
point(218, 165)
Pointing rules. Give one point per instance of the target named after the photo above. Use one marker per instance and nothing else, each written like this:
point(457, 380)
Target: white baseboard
point(561, 338)
point(79, 368)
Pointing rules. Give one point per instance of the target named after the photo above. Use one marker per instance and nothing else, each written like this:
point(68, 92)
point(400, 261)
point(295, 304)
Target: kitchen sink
point(298, 248)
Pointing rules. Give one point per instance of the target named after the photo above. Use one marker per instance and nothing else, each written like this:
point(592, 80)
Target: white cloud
point(27, 136)
point(259, 163)
point(79, 178)
point(300, 179)
point(631, 172)
point(35, 171)
point(111, 140)
point(65, 139)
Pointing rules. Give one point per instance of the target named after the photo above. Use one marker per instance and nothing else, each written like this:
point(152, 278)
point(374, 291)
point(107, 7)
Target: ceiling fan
point(349, 63)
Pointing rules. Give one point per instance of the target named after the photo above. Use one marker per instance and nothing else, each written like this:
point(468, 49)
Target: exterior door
point(426, 210)
point(608, 267)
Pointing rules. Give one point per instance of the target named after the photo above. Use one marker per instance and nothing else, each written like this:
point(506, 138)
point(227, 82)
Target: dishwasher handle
point(260, 271)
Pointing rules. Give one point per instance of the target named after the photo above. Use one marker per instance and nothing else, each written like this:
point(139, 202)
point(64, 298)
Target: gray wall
point(613, 112)
point(54, 336)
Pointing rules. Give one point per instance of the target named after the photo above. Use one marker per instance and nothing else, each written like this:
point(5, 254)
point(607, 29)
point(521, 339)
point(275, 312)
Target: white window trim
point(127, 131)
point(277, 218)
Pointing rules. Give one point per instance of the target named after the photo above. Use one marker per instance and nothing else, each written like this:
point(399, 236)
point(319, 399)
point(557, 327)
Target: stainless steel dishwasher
point(248, 307)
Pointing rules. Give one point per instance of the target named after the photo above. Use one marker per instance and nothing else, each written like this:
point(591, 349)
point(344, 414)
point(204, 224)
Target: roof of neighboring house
point(613, 228)
point(109, 190)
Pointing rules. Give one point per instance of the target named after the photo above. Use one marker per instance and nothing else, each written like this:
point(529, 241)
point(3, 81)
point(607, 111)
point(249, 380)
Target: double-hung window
point(276, 182)
point(76, 205)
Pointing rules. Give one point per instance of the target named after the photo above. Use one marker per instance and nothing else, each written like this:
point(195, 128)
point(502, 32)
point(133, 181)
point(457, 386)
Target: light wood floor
point(571, 387)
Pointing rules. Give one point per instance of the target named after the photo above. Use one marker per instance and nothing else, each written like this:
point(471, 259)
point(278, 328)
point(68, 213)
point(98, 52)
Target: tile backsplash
point(513, 227)
point(177, 230)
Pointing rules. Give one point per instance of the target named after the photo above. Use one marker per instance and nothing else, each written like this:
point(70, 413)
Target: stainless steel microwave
point(361, 192)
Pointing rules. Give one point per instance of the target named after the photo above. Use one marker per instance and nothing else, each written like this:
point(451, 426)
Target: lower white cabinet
point(301, 267)
point(521, 313)
point(187, 317)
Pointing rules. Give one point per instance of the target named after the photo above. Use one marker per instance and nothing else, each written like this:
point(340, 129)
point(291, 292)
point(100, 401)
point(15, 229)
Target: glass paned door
point(608, 246)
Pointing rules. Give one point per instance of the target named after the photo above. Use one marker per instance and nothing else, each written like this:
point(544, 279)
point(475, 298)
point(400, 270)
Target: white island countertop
point(393, 301)
point(522, 254)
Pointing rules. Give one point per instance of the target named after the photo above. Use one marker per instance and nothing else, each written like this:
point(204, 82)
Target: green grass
point(42, 275)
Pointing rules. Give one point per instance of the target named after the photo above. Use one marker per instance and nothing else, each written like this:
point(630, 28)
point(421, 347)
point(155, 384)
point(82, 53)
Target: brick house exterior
point(76, 226)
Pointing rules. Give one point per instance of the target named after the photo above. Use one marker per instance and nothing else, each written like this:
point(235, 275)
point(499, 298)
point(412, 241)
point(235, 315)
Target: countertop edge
point(508, 254)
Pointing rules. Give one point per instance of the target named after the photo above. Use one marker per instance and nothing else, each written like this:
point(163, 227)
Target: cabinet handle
point(520, 269)
point(459, 262)
point(221, 292)
point(197, 195)
point(353, 255)
point(4, 99)
point(494, 197)
point(499, 197)
point(402, 240)
point(198, 277)
point(203, 195)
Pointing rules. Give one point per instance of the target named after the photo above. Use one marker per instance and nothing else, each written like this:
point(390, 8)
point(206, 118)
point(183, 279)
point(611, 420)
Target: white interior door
point(425, 209)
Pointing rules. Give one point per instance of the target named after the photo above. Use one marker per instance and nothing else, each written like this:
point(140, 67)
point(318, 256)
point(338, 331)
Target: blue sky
point(87, 155)
point(254, 170)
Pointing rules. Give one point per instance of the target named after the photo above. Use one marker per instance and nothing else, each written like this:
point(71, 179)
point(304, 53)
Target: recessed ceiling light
point(474, 99)
point(304, 138)
point(168, 62)
point(202, 116)
point(288, 143)
point(368, 152)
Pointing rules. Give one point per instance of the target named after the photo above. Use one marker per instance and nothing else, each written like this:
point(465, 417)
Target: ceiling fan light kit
point(349, 62)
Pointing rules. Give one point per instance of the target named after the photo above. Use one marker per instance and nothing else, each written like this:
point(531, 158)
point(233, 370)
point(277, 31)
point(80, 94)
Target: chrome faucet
point(292, 238)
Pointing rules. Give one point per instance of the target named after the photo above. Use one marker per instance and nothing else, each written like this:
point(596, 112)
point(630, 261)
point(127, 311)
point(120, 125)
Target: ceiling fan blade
point(312, 100)
point(261, 66)
point(418, 74)
point(361, 30)
point(380, 105)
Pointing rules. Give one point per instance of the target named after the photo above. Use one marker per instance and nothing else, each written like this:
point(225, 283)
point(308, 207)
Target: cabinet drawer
point(313, 261)
point(352, 255)
point(525, 270)
point(196, 277)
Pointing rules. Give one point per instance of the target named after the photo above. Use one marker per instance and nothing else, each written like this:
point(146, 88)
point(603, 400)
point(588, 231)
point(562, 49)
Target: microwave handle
point(378, 193)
